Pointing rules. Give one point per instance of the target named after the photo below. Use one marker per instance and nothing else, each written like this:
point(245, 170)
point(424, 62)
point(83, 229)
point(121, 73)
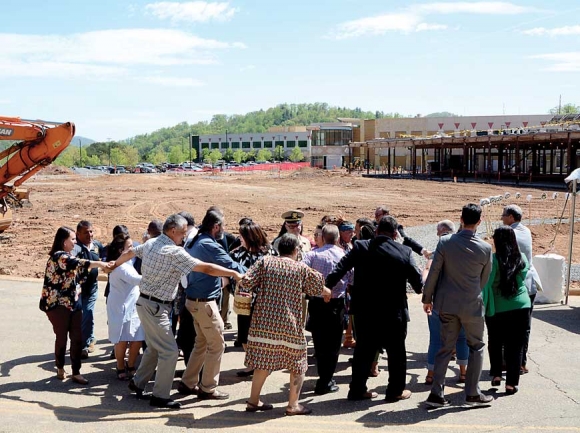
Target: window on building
point(290, 143)
point(302, 143)
point(205, 145)
point(279, 143)
point(257, 144)
point(331, 137)
point(268, 144)
point(235, 144)
point(215, 145)
point(246, 145)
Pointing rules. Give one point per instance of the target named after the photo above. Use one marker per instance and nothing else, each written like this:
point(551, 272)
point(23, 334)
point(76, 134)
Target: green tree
point(204, 154)
point(158, 157)
point(214, 156)
point(176, 156)
point(279, 153)
point(264, 155)
point(229, 155)
point(239, 155)
point(296, 155)
point(131, 155)
point(566, 109)
point(251, 155)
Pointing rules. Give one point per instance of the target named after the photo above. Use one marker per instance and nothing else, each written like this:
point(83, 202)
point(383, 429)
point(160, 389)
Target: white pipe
point(572, 216)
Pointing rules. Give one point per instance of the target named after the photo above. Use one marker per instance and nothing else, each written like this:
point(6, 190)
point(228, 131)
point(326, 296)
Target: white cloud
point(196, 11)
point(381, 24)
point(558, 31)
point(561, 62)
point(413, 18)
point(486, 8)
point(107, 53)
point(173, 81)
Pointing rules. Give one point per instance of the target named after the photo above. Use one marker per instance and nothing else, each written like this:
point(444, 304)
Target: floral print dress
point(62, 282)
point(276, 339)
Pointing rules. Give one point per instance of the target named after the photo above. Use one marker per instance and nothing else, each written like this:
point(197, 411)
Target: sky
point(122, 68)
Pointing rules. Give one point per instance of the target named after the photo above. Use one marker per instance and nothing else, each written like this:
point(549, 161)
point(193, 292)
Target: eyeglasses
point(317, 234)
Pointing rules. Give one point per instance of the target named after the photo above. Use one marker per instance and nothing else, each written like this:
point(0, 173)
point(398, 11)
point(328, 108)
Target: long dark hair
point(115, 248)
point(255, 238)
point(509, 260)
point(62, 234)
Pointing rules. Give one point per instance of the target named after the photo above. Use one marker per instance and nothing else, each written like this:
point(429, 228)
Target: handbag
point(242, 303)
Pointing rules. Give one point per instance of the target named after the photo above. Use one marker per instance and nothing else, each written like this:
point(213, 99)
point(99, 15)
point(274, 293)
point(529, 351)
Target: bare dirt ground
point(135, 199)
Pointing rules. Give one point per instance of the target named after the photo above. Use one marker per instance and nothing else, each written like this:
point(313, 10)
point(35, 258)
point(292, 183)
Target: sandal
point(428, 380)
point(462, 378)
point(303, 410)
point(60, 374)
point(121, 374)
point(251, 407)
point(496, 381)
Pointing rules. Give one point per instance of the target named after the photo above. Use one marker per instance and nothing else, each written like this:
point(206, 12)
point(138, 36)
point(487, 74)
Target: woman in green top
point(507, 306)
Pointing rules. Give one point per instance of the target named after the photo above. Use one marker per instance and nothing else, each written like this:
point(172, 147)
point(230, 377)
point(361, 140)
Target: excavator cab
point(37, 144)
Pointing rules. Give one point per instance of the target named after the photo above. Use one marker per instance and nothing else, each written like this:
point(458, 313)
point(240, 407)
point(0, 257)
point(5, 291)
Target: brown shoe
point(80, 380)
point(91, 347)
point(60, 373)
point(406, 394)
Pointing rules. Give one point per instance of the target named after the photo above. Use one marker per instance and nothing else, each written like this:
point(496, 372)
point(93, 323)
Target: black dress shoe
point(183, 389)
point(216, 395)
point(166, 403)
point(139, 393)
point(511, 391)
point(436, 401)
point(327, 390)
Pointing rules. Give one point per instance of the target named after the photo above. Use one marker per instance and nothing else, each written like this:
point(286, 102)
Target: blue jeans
point(88, 322)
point(435, 342)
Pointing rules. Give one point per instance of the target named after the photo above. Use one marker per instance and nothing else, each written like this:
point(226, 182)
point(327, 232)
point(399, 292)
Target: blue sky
point(118, 68)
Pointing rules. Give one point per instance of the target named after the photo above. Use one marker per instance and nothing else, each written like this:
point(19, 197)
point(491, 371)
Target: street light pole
point(190, 147)
point(109, 140)
point(80, 154)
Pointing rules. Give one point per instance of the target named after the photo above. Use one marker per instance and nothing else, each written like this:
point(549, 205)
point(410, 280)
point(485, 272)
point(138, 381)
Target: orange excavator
point(37, 144)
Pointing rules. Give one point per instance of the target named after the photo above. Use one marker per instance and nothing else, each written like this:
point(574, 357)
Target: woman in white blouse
point(124, 324)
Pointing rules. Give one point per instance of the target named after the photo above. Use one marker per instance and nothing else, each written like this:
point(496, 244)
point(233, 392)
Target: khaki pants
point(209, 346)
point(161, 352)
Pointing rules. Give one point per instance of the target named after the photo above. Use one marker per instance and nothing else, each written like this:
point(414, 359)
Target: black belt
point(201, 299)
point(154, 299)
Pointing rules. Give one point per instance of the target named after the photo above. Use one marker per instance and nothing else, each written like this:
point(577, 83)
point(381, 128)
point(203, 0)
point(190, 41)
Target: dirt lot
point(135, 199)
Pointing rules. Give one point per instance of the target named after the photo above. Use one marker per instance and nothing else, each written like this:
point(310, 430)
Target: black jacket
point(382, 268)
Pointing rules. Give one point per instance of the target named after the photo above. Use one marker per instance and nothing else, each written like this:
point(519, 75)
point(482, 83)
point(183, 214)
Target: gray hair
point(446, 226)
point(330, 234)
point(515, 211)
point(174, 221)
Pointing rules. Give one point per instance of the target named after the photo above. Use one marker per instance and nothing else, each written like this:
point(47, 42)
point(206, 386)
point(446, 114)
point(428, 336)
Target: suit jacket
point(524, 238)
point(460, 269)
point(382, 268)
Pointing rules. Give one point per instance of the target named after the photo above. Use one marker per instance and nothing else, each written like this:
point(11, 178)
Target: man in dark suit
point(460, 269)
point(382, 268)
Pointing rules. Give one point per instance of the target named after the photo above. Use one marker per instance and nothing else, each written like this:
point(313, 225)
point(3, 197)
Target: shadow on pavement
point(565, 317)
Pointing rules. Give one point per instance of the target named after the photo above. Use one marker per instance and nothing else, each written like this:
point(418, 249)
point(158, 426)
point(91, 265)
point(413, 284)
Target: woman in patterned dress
point(61, 300)
point(276, 339)
point(254, 245)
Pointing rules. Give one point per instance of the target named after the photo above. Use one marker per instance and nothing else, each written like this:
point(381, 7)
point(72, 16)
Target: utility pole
point(80, 154)
point(190, 146)
point(109, 140)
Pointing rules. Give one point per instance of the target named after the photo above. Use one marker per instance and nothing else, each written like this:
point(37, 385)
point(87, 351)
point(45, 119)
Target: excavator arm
point(38, 143)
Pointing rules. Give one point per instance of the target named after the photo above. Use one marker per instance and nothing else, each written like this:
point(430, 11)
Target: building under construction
point(546, 153)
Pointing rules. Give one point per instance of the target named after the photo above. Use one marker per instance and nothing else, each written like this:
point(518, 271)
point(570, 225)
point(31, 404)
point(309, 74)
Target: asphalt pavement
point(33, 400)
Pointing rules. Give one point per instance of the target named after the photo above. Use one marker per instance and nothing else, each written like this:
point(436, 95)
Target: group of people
point(174, 292)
